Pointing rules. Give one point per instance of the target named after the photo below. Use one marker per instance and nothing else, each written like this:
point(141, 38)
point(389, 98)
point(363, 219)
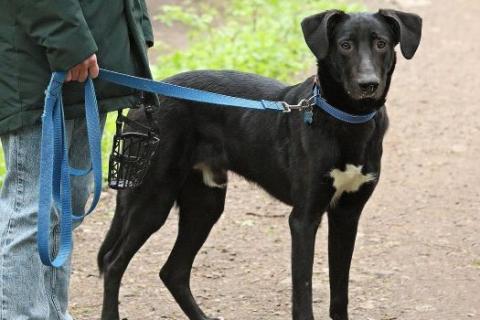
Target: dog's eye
point(345, 45)
point(381, 44)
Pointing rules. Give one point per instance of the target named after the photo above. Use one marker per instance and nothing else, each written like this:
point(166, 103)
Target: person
point(38, 37)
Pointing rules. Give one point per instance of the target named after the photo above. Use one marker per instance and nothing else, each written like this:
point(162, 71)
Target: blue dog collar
point(338, 114)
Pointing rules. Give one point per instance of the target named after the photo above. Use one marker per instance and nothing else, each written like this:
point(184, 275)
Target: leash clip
point(304, 104)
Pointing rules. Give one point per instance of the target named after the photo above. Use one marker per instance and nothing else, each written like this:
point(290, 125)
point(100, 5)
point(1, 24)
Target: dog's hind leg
point(146, 213)
point(200, 208)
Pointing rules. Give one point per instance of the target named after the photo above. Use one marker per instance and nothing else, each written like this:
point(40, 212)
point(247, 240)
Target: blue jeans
point(28, 289)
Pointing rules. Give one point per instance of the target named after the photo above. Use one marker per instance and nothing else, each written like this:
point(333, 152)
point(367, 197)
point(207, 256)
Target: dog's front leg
point(303, 228)
point(342, 230)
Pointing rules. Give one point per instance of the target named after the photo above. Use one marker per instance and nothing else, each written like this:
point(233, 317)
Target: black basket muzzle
point(132, 154)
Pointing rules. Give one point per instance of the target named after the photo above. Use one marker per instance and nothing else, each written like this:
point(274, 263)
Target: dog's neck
point(335, 94)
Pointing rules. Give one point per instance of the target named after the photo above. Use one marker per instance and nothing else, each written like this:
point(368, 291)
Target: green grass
point(258, 36)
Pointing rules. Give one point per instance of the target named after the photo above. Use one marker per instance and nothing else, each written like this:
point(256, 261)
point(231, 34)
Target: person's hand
point(88, 68)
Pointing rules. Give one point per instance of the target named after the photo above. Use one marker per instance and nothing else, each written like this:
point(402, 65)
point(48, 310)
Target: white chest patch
point(349, 180)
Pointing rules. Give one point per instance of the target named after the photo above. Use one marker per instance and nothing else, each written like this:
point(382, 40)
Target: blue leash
point(55, 171)
point(179, 92)
point(174, 91)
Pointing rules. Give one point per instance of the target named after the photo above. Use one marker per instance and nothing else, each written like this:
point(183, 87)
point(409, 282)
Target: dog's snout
point(369, 85)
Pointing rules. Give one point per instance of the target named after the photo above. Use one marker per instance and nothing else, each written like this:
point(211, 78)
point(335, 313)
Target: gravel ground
point(418, 250)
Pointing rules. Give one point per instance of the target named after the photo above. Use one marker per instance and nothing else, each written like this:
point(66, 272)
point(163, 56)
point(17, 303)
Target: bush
point(258, 36)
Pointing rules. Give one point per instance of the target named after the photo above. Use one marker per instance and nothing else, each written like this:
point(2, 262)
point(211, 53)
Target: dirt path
point(418, 251)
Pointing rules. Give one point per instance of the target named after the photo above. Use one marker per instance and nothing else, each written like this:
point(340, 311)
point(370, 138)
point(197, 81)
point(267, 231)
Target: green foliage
point(197, 20)
point(107, 141)
point(2, 166)
point(258, 36)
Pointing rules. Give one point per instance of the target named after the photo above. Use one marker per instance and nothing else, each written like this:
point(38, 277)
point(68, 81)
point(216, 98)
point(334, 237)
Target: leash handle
point(55, 171)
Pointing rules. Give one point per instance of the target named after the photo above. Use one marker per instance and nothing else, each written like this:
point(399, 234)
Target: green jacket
point(41, 36)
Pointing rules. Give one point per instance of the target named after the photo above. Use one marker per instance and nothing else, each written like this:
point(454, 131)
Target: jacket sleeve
point(147, 25)
point(60, 27)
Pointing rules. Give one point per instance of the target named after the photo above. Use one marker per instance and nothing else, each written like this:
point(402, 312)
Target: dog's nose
point(369, 86)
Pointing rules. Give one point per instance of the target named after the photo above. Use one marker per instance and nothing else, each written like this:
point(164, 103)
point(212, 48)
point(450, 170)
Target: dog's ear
point(407, 28)
point(316, 31)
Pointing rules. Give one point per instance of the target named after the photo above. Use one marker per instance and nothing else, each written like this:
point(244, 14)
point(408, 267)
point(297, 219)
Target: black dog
point(327, 166)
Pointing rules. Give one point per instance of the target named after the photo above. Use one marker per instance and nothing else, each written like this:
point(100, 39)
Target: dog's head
point(359, 49)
